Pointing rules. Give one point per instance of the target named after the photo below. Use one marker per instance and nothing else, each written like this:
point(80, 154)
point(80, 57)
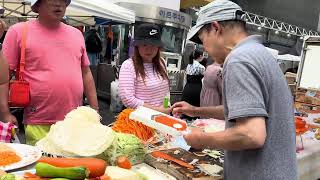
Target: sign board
point(309, 73)
point(159, 13)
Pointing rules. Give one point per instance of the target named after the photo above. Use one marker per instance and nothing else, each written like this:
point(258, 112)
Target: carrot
point(124, 162)
point(96, 167)
point(8, 157)
point(125, 125)
point(30, 175)
point(104, 177)
point(159, 154)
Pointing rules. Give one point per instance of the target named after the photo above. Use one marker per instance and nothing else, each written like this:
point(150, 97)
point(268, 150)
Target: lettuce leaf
point(125, 144)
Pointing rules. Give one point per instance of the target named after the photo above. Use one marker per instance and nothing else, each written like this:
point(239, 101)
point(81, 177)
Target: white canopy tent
point(79, 12)
point(289, 57)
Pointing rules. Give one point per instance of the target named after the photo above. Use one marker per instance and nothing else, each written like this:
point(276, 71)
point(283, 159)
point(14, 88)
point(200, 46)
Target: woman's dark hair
point(158, 65)
point(195, 55)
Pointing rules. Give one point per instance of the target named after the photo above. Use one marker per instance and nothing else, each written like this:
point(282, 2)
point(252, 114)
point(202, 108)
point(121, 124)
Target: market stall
point(141, 144)
point(135, 146)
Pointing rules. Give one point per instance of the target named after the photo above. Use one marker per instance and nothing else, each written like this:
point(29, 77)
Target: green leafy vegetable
point(125, 144)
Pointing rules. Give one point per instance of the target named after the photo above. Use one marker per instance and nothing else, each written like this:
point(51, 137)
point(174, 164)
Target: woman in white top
point(194, 71)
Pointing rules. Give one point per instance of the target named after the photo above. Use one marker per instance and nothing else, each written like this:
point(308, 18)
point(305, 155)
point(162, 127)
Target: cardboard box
point(307, 108)
point(309, 96)
point(291, 78)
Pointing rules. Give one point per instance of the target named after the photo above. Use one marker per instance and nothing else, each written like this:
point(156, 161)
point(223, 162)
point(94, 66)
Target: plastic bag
point(115, 102)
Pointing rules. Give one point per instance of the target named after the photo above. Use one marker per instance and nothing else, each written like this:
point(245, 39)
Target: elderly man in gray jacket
point(259, 140)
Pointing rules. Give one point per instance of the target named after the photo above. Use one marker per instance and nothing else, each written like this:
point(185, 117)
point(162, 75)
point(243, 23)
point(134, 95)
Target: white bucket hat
point(218, 10)
point(33, 3)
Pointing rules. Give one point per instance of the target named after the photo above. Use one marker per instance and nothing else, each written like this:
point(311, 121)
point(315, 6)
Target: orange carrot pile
point(8, 157)
point(125, 125)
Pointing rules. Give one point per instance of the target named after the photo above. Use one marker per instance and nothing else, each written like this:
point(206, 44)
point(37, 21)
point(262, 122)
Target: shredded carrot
point(8, 157)
point(125, 125)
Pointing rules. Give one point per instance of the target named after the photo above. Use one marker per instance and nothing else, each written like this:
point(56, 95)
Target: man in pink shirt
point(57, 68)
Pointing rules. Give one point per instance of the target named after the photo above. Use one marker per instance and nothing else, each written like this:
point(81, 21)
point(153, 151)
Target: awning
point(103, 9)
point(184, 4)
point(79, 12)
point(289, 57)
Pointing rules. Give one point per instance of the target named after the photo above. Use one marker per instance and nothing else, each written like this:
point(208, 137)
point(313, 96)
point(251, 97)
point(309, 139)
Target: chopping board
point(183, 173)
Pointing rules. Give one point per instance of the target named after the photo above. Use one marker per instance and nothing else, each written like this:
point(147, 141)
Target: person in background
point(211, 92)
point(194, 72)
point(259, 139)
point(57, 68)
point(109, 43)
point(93, 46)
point(143, 79)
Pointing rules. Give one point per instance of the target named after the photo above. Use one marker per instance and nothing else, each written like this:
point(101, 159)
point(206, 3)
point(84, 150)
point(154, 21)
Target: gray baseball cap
point(218, 10)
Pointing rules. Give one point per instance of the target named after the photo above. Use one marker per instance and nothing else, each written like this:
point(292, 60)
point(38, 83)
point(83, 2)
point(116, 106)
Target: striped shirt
point(135, 92)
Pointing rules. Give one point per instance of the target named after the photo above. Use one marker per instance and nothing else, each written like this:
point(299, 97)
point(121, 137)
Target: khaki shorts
point(35, 132)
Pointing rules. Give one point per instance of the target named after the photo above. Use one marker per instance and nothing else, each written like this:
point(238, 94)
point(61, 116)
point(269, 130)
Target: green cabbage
point(125, 144)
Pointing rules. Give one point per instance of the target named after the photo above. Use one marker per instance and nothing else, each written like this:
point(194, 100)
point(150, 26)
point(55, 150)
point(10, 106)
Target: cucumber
point(49, 171)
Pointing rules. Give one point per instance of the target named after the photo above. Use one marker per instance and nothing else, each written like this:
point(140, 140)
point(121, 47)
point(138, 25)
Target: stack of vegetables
point(78, 169)
point(82, 135)
point(125, 125)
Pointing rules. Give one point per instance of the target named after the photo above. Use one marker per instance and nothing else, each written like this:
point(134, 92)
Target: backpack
point(93, 42)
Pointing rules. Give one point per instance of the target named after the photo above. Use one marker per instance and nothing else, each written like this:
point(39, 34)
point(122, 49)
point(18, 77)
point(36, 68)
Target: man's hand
point(8, 117)
point(183, 108)
point(195, 138)
point(248, 133)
